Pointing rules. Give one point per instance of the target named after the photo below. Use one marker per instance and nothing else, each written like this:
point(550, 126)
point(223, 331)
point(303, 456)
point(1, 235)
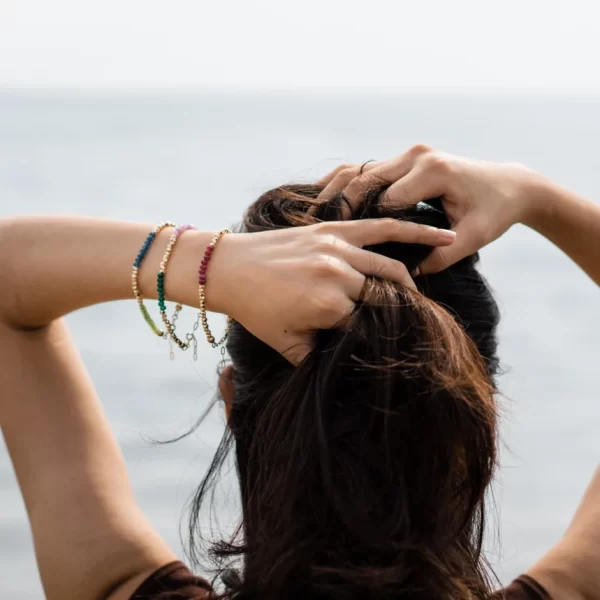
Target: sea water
point(203, 158)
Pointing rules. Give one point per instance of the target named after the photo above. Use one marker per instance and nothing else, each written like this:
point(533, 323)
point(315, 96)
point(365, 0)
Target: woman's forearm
point(51, 266)
point(570, 222)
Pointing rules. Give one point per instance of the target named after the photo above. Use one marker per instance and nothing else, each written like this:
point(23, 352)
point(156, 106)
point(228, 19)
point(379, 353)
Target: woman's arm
point(483, 200)
point(569, 221)
point(56, 265)
point(91, 540)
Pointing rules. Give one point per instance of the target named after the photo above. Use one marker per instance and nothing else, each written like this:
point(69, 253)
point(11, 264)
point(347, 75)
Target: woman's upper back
point(176, 582)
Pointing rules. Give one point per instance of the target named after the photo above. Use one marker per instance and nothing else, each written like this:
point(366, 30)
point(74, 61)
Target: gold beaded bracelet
point(160, 285)
point(202, 292)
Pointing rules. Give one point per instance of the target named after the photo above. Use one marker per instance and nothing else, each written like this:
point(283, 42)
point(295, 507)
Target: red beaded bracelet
point(202, 291)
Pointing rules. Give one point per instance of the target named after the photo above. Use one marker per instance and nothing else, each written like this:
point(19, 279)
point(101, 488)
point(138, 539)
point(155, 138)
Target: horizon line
point(133, 91)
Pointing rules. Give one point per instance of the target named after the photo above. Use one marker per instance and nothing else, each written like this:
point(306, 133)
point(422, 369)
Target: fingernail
point(447, 234)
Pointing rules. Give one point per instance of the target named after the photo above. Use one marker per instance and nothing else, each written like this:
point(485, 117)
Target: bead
point(134, 275)
point(170, 328)
point(202, 279)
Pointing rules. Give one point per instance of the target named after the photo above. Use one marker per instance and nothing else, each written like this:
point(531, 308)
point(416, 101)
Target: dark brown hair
point(363, 471)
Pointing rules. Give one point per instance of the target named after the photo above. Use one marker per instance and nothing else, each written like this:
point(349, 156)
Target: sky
point(303, 44)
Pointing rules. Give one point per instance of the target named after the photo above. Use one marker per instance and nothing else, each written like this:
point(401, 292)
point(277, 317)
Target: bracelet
point(135, 284)
point(202, 291)
point(160, 286)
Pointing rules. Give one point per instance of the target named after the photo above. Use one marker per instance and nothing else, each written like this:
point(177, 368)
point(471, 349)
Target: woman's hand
point(282, 285)
point(482, 199)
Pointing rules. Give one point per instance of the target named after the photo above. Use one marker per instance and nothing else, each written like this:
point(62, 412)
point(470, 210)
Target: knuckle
point(326, 265)
point(334, 173)
point(436, 164)
point(351, 169)
point(328, 242)
point(420, 149)
point(339, 169)
point(323, 230)
point(392, 225)
point(348, 174)
point(363, 182)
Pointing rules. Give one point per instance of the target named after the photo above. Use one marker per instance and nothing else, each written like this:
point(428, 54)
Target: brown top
point(176, 582)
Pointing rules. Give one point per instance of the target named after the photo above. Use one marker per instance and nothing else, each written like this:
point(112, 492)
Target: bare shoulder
point(173, 579)
point(127, 588)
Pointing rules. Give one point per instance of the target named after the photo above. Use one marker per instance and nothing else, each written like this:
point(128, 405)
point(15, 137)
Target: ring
point(360, 172)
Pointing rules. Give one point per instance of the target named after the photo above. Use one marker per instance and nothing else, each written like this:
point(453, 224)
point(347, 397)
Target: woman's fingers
point(383, 173)
point(334, 183)
point(329, 177)
point(341, 179)
point(342, 258)
point(369, 232)
point(366, 166)
point(414, 176)
point(468, 241)
point(338, 180)
point(414, 187)
point(342, 270)
point(376, 265)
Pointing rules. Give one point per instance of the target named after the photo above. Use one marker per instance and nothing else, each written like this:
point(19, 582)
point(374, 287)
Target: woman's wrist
point(548, 203)
point(182, 274)
point(539, 197)
point(567, 220)
point(222, 284)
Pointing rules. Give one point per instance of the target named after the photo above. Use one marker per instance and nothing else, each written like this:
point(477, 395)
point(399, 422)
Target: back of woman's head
point(363, 470)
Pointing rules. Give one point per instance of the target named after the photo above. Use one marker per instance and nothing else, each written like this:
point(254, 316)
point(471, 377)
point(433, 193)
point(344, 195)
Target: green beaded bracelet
point(135, 276)
point(160, 289)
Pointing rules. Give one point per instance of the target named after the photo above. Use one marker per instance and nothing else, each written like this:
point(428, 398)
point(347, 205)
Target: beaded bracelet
point(202, 291)
point(135, 284)
point(160, 286)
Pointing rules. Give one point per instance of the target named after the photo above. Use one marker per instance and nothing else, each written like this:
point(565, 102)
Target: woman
point(355, 367)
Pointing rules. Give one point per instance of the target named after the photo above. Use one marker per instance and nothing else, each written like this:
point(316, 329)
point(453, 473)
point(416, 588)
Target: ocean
point(203, 158)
